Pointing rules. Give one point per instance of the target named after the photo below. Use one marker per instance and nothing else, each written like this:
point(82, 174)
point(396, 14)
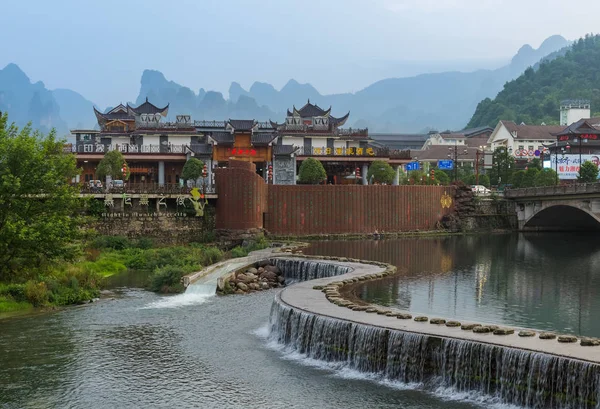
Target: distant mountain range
point(413, 104)
point(534, 97)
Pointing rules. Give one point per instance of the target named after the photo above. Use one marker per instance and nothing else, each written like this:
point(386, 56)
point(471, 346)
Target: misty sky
point(100, 48)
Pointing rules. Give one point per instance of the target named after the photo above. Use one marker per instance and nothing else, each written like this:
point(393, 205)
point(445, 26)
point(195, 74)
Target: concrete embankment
point(517, 366)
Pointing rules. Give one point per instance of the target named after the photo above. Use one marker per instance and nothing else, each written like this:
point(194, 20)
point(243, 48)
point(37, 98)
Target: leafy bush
point(144, 243)
point(15, 291)
point(238, 251)
point(588, 172)
point(381, 172)
point(36, 293)
point(112, 242)
point(311, 172)
point(168, 279)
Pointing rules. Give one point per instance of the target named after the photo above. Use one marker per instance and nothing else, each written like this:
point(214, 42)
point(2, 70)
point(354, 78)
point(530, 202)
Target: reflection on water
point(537, 281)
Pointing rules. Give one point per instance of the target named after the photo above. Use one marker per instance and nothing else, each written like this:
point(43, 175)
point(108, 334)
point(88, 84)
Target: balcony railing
point(209, 124)
point(125, 148)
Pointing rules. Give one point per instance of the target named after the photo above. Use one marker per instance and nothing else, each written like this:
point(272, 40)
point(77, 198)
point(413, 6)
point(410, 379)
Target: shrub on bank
point(168, 279)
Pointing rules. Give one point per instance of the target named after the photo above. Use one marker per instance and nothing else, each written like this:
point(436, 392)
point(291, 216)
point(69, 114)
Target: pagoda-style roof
point(581, 127)
point(309, 110)
point(148, 108)
point(117, 113)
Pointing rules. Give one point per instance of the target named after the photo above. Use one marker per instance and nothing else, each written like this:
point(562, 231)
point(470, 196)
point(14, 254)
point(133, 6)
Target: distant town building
point(156, 151)
point(572, 111)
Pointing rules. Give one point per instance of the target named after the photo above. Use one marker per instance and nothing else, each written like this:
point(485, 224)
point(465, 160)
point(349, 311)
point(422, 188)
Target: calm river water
point(193, 351)
point(540, 281)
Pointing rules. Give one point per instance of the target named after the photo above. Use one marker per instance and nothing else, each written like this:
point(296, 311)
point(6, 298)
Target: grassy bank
point(79, 281)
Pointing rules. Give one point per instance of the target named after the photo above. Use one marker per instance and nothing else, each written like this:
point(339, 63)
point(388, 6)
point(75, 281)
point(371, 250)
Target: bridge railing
point(572, 189)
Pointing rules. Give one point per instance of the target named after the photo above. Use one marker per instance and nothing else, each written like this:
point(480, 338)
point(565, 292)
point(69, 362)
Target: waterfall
point(513, 376)
point(303, 270)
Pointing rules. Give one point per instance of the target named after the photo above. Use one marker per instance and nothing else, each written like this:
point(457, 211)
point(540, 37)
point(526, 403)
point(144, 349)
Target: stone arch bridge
point(557, 208)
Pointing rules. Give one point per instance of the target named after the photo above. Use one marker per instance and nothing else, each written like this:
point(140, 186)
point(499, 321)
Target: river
point(140, 349)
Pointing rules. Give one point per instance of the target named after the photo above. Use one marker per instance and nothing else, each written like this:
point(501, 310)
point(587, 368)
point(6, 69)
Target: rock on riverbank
point(258, 277)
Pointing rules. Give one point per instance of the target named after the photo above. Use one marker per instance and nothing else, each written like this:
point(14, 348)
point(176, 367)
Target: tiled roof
point(149, 108)
point(400, 141)
point(582, 126)
point(284, 150)
point(536, 132)
point(242, 124)
point(441, 152)
point(472, 132)
point(309, 110)
point(263, 138)
point(202, 149)
point(222, 137)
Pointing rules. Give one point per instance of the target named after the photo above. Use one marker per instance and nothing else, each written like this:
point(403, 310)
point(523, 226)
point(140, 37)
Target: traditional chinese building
point(155, 151)
point(312, 131)
point(575, 144)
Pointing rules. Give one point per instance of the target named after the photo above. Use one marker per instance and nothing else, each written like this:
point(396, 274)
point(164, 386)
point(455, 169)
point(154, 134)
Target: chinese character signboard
point(445, 164)
point(343, 151)
point(568, 165)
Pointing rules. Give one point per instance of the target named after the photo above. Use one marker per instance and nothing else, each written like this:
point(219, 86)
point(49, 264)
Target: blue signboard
point(412, 166)
point(445, 164)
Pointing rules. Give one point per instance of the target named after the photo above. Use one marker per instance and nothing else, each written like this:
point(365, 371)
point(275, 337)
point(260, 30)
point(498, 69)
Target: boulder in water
point(453, 324)
point(469, 327)
point(438, 321)
point(421, 319)
point(264, 285)
point(482, 330)
point(527, 333)
point(547, 335)
point(242, 286)
point(254, 286)
point(252, 271)
point(269, 276)
point(272, 268)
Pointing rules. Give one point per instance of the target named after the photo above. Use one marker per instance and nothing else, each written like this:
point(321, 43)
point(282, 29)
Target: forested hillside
point(535, 96)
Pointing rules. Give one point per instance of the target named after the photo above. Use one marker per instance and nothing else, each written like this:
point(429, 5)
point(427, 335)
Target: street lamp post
point(454, 155)
point(480, 150)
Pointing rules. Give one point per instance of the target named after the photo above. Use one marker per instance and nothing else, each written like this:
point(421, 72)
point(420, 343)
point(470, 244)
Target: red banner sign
point(241, 152)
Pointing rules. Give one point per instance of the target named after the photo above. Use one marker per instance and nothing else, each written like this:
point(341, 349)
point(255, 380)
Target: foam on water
point(195, 294)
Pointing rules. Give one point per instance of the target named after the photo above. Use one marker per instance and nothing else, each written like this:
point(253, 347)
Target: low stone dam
point(320, 320)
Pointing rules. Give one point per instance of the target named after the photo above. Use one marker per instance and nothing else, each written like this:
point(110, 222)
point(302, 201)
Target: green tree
point(535, 163)
point(546, 177)
point(38, 206)
point(484, 180)
point(442, 177)
point(381, 172)
point(535, 96)
point(112, 165)
point(530, 177)
point(311, 172)
point(517, 179)
point(503, 165)
point(192, 169)
point(588, 172)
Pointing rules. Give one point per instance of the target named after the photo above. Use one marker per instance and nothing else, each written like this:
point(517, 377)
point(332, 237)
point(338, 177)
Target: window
point(521, 147)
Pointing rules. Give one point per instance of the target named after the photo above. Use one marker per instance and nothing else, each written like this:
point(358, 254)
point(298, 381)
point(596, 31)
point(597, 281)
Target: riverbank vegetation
point(47, 257)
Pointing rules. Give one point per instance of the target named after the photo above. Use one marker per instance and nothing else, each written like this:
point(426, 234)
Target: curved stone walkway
point(325, 297)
